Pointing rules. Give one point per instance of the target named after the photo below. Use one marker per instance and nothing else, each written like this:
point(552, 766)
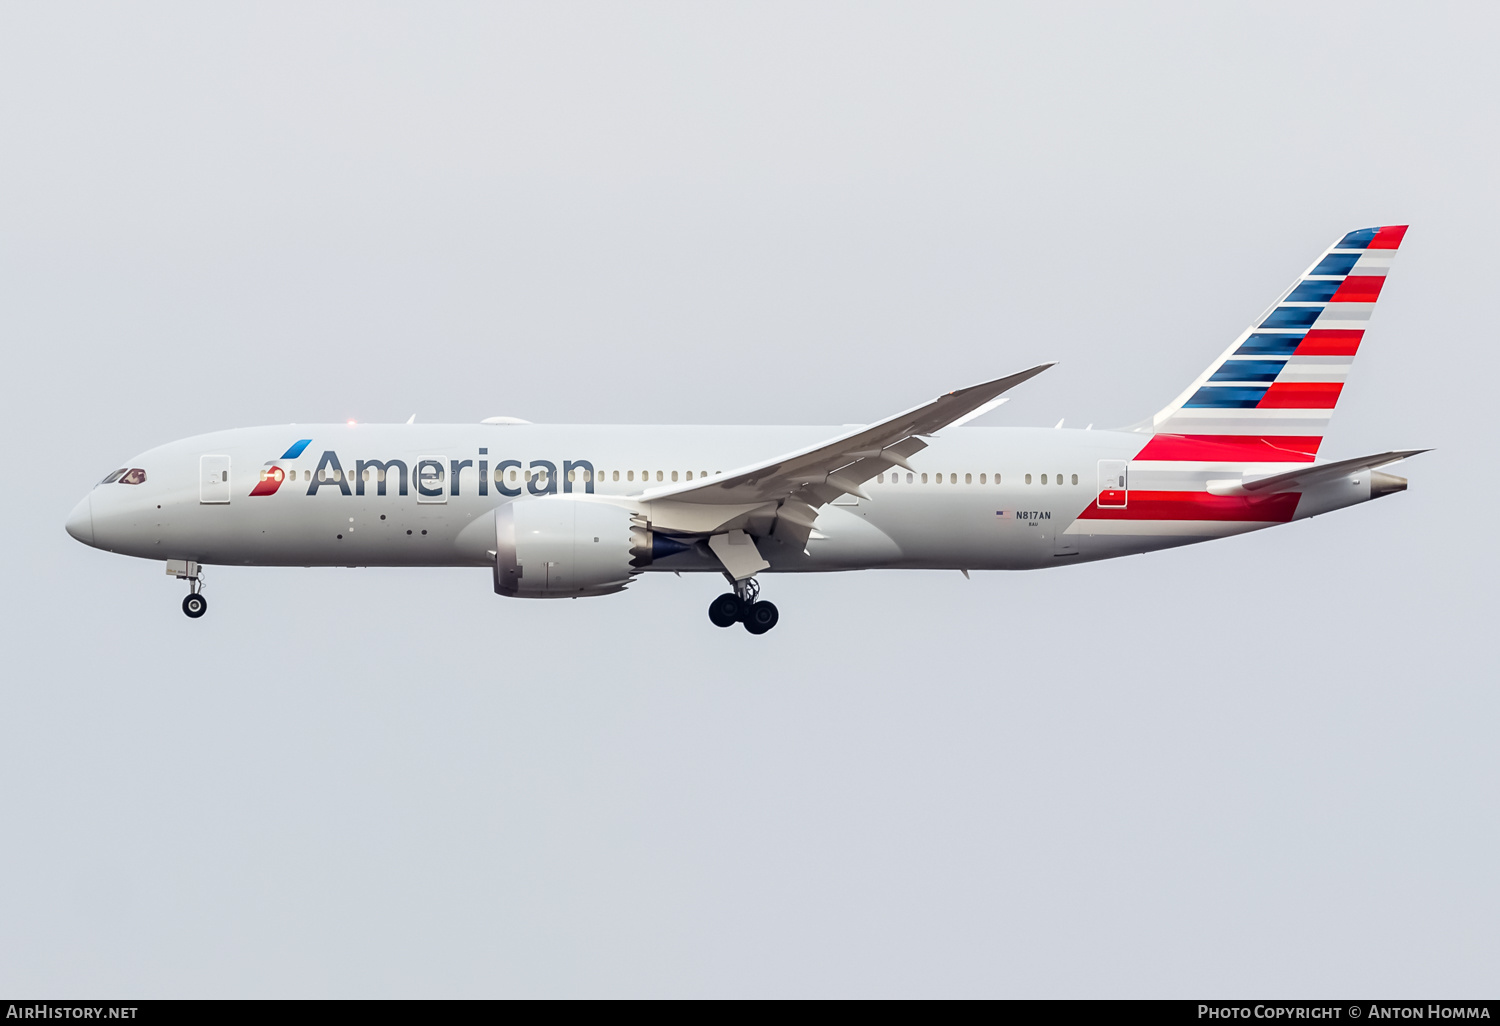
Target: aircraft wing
point(821, 473)
point(1316, 474)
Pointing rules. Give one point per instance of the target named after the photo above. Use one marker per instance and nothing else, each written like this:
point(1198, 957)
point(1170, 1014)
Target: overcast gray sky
point(1265, 765)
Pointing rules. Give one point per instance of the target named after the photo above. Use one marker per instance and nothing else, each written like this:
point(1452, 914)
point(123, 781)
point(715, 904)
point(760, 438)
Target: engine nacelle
point(566, 548)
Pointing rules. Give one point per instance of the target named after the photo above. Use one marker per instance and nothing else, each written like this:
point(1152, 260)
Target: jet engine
point(569, 548)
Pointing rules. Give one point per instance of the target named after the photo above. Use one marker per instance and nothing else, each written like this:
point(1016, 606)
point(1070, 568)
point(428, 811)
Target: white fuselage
point(975, 498)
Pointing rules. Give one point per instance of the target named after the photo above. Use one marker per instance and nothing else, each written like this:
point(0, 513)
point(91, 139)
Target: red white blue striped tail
point(1269, 397)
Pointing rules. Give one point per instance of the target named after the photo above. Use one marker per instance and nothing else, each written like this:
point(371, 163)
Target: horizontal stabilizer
point(1294, 480)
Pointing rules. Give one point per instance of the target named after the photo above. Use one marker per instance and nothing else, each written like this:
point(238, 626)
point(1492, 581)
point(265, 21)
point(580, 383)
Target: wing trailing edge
point(821, 473)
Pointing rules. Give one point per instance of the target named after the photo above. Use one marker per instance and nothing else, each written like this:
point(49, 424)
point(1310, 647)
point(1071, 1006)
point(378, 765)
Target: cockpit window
point(111, 479)
point(135, 475)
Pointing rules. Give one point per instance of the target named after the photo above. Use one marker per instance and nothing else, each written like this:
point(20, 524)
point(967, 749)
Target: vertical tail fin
point(1270, 396)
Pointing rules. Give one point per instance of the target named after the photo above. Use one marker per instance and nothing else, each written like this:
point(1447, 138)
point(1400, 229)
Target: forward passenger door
point(213, 480)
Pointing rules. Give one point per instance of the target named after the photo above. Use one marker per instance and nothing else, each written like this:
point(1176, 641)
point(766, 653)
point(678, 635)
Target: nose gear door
point(213, 480)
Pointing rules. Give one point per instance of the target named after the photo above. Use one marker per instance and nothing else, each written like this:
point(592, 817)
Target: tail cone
point(1385, 484)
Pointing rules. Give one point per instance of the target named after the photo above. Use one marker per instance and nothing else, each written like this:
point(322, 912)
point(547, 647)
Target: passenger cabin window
point(924, 478)
point(135, 475)
point(1028, 479)
point(658, 475)
point(616, 476)
point(983, 478)
point(968, 479)
point(1075, 478)
point(674, 476)
point(1044, 479)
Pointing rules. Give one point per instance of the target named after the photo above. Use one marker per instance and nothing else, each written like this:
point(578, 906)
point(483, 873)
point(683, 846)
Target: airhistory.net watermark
point(47, 1010)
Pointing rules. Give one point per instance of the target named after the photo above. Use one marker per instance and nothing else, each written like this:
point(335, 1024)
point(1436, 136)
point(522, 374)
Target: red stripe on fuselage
point(1359, 288)
point(1301, 395)
point(1277, 509)
point(1232, 448)
point(1330, 342)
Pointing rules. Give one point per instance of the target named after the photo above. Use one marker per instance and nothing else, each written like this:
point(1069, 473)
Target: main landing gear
point(741, 606)
point(195, 605)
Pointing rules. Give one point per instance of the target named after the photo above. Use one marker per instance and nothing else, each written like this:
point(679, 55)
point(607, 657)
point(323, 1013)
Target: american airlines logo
point(430, 477)
point(272, 476)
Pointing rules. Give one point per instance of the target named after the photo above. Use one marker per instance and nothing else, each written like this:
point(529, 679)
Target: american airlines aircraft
point(559, 511)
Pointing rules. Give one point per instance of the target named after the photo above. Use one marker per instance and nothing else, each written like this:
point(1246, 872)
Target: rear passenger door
point(1114, 484)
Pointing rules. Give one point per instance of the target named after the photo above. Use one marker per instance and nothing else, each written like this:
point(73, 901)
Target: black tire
point(195, 606)
point(763, 617)
point(726, 610)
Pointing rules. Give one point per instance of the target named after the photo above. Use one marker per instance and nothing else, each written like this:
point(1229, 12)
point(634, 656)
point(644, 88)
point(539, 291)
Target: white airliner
point(570, 511)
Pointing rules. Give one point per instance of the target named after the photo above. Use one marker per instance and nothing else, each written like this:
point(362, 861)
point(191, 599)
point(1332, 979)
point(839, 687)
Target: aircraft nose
point(81, 521)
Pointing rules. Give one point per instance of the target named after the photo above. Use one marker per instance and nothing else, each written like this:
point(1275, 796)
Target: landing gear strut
point(195, 605)
point(742, 606)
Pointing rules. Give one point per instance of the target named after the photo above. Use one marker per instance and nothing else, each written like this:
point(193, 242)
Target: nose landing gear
point(195, 605)
point(742, 606)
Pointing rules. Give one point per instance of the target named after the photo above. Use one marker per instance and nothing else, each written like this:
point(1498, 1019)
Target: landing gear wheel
point(763, 617)
point(726, 610)
point(195, 606)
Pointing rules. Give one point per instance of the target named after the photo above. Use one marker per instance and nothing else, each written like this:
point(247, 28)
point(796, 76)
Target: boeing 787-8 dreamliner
point(558, 511)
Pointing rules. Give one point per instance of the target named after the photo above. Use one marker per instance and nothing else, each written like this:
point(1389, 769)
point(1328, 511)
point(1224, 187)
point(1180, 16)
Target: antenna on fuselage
point(412, 419)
